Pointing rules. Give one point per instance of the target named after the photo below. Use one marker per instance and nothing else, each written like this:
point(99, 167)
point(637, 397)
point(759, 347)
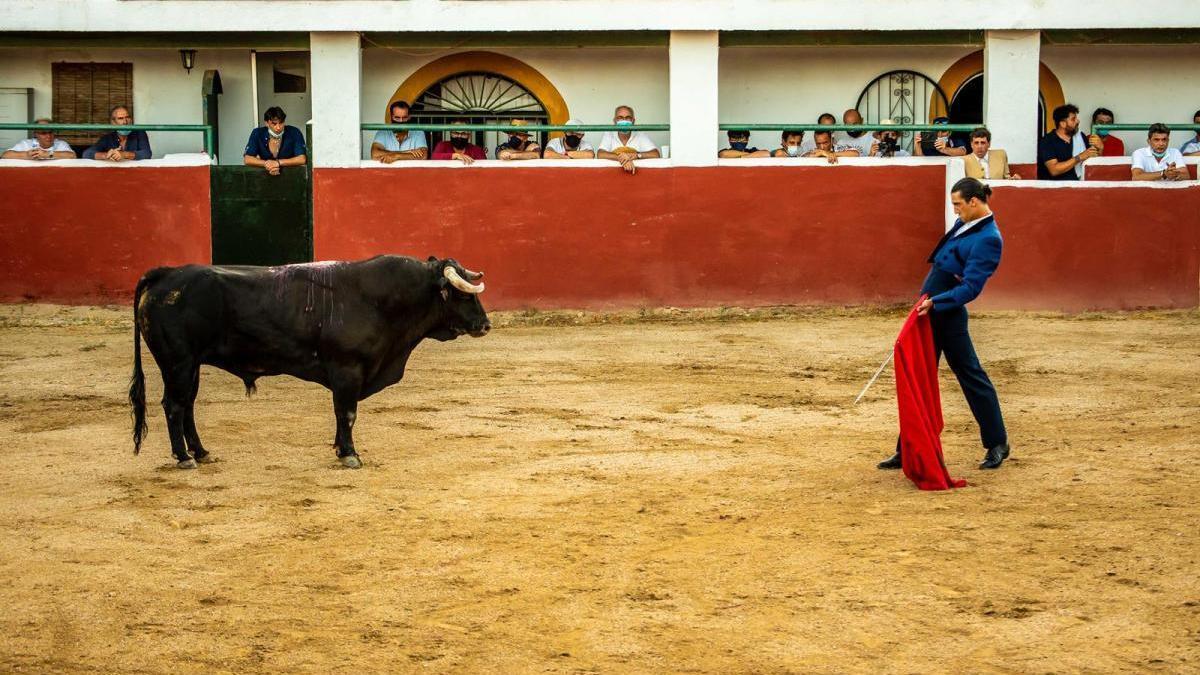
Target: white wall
point(163, 92)
point(796, 84)
point(1139, 84)
point(592, 81)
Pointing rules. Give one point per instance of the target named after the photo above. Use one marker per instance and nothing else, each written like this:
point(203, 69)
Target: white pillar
point(694, 56)
point(336, 92)
point(1010, 91)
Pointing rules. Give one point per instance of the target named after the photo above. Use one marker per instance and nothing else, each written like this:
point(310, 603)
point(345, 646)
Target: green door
point(260, 219)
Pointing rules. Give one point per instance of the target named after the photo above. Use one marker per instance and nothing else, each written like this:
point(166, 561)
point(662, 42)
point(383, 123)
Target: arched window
point(478, 98)
point(905, 97)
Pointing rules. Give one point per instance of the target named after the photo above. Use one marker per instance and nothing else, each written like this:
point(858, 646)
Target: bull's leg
point(195, 447)
point(346, 387)
point(176, 396)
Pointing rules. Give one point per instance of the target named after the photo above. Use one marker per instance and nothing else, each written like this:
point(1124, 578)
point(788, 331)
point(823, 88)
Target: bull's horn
point(461, 284)
point(473, 276)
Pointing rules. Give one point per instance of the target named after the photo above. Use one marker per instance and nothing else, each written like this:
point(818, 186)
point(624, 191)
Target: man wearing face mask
point(739, 146)
point(275, 144)
point(1157, 161)
point(886, 143)
point(119, 146)
point(1110, 146)
point(791, 143)
point(399, 146)
point(459, 147)
point(626, 146)
point(570, 146)
point(519, 145)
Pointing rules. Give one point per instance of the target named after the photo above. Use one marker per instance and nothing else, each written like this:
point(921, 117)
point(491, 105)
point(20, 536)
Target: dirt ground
point(665, 491)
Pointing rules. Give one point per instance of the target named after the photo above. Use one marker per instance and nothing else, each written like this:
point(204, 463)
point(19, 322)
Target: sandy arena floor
point(684, 491)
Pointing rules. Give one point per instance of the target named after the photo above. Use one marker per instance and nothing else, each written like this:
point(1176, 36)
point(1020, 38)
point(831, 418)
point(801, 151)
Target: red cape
point(920, 404)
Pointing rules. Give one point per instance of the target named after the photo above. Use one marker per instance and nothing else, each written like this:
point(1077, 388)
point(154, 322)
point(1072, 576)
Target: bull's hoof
point(351, 462)
point(188, 463)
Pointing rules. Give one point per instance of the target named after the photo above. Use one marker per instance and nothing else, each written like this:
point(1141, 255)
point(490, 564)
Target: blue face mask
point(124, 132)
point(1159, 155)
point(740, 146)
point(624, 123)
point(1102, 134)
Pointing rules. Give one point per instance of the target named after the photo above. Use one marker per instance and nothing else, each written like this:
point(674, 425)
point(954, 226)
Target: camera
point(888, 146)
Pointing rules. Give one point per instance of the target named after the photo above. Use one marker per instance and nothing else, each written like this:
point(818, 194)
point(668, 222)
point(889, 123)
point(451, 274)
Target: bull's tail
point(137, 382)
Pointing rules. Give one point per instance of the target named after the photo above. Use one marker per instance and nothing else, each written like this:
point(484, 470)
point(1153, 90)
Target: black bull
point(349, 326)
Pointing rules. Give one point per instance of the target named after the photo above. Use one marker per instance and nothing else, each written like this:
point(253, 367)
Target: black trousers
point(951, 338)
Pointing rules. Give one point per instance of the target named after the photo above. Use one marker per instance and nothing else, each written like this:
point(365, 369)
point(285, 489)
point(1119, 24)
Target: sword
point(874, 377)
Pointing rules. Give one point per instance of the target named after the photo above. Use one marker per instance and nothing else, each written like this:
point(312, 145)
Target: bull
point(349, 326)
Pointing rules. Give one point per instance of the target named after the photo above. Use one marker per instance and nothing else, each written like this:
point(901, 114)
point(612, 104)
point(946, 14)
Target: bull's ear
point(445, 294)
point(432, 258)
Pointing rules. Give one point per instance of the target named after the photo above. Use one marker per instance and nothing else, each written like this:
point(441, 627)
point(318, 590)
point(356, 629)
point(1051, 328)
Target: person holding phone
point(941, 144)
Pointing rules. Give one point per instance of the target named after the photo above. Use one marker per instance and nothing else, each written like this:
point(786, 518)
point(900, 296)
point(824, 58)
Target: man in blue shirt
point(275, 145)
point(118, 146)
point(395, 146)
point(965, 258)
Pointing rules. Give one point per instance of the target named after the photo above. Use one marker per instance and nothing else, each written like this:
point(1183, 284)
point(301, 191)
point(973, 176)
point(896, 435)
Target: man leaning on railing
point(626, 146)
point(395, 146)
point(1157, 161)
point(121, 145)
point(42, 146)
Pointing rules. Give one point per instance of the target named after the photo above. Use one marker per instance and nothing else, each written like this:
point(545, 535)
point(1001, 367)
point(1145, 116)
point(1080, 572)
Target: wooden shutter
point(83, 93)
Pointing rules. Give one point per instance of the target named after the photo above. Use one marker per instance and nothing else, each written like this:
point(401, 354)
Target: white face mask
point(273, 134)
point(793, 150)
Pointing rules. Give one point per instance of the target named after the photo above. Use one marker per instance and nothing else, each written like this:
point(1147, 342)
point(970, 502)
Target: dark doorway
point(967, 106)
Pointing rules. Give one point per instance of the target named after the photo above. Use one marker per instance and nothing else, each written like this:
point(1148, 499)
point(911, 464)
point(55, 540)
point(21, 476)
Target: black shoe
point(892, 462)
point(995, 457)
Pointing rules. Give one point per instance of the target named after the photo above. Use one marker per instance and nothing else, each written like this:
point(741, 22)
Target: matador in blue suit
point(963, 260)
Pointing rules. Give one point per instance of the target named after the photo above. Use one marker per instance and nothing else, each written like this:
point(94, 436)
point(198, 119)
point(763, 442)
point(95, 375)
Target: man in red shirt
point(1112, 146)
point(459, 147)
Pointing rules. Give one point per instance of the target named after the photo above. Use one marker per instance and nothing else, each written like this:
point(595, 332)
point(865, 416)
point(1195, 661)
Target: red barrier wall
point(1096, 248)
point(85, 235)
point(1118, 172)
point(597, 237)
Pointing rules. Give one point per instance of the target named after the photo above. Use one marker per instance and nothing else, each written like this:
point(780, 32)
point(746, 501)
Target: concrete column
point(336, 92)
point(694, 56)
point(1010, 91)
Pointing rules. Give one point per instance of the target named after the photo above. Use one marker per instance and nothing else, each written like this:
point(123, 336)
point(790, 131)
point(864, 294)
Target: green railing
point(902, 128)
point(508, 127)
point(1143, 127)
point(56, 127)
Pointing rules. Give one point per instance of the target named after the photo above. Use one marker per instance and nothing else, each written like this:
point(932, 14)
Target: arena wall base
point(85, 236)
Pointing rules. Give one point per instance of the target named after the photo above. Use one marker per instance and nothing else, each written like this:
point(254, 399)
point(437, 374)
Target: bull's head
point(459, 294)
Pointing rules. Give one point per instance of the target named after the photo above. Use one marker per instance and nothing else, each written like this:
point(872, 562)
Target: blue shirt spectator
point(415, 139)
point(292, 144)
point(136, 142)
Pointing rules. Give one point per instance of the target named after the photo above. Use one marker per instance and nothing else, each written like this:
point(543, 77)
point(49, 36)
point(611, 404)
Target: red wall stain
point(1096, 248)
point(80, 235)
point(596, 238)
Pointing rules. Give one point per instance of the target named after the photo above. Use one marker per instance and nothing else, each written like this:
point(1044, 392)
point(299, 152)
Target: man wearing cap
point(626, 146)
point(459, 146)
point(570, 146)
point(43, 145)
point(118, 146)
point(944, 144)
point(519, 145)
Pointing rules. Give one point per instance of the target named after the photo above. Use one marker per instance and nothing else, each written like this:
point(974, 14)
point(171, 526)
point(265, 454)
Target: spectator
point(1157, 161)
point(984, 162)
point(790, 144)
point(118, 146)
point(626, 146)
point(570, 146)
point(863, 141)
point(398, 146)
point(1191, 147)
point(943, 145)
point(275, 144)
point(459, 146)
point(1110, 146)
point(823, 147)
point(1059, 152)
point(43, 145)
point(886, 143)
point(824, 119)
point(519, 146)
point(739, 141)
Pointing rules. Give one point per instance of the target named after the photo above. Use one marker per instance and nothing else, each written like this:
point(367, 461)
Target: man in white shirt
point(864, 140)
point(43, 145)
point(626, 146)
point(570, 146)
point(885, 143)
point(1157, 161)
